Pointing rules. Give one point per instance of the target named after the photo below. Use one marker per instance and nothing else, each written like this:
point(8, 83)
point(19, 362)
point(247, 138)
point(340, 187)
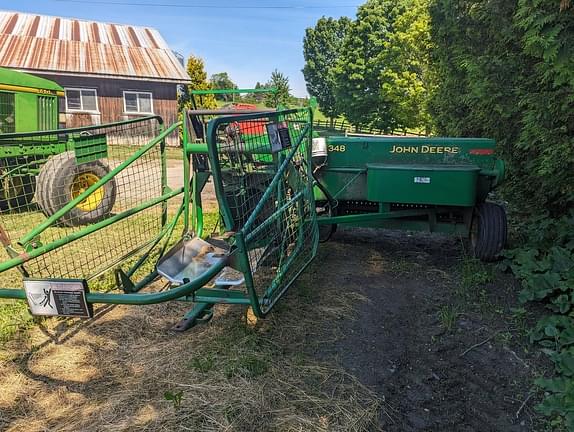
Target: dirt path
point(400, 348)
point(370, 338)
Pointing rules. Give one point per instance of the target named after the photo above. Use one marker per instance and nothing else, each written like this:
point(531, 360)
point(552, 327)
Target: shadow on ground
point(362, 342)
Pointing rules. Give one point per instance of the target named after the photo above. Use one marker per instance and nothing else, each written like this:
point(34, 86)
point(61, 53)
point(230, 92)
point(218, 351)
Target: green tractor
point(33, 164)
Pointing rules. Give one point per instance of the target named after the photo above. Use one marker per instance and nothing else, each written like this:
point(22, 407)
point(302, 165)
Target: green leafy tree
point(321, 48)
point(221, 81)
point(382, 73)
point(198, 76)
point(506, 70)
point(281, 82)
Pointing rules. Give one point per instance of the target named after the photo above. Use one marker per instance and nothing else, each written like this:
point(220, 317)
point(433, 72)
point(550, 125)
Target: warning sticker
point(50, 297)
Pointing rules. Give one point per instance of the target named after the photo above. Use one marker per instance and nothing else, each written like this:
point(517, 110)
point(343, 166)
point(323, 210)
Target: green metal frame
point(191, 210)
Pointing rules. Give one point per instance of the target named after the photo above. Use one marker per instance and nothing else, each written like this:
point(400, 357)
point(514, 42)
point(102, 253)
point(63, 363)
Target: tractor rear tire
point(61, 179)
point(488, 232)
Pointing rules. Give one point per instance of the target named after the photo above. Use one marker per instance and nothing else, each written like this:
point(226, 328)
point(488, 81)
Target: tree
point(406, 81)
point(381, 74)
point(198, 77)
point(282, 95)
point(506, 70)
point(321, 48)
point(220, 81)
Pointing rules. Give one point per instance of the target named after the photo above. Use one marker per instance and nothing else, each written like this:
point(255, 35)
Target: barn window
point(138, 102)
point(81, 100)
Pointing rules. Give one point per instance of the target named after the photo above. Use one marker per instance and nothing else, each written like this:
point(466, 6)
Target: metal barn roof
point(76, 47)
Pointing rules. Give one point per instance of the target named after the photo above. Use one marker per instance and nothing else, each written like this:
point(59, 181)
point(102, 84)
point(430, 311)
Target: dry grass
point(111, 373)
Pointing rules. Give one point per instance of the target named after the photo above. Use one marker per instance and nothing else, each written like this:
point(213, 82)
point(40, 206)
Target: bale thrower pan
point(106, 226)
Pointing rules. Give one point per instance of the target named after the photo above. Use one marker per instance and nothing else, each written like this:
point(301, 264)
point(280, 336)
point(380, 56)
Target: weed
point(504, 338)
point(175, 398)
point(447, 316)
point(475, 273)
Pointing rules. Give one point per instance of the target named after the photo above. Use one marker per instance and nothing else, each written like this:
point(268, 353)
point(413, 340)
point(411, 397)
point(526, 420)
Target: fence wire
point(263, 165)
point(41, 173)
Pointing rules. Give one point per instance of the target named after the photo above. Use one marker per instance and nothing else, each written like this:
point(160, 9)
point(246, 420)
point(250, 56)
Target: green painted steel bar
point(194, 148)
point(211, 295)
point(137, 299)
point(81, 197)
point(186, 179)
point(369, 217)
point(34, 253)
point(8, 136)
point(234, 91)
point(243, 259)
point(164, 186)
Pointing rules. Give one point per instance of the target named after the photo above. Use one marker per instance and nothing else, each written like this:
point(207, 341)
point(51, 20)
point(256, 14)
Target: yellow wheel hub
point(82, 182)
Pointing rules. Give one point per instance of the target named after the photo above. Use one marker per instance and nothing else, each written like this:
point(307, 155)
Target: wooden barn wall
point(110, 99)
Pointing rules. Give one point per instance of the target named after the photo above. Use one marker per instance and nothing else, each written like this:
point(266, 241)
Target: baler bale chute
point(149, 246)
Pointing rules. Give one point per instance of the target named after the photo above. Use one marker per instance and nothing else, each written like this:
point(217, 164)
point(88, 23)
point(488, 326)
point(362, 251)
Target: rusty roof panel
point(54, 44)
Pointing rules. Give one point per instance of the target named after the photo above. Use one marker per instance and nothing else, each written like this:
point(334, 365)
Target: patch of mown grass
point(14, 318)
point(240, 351)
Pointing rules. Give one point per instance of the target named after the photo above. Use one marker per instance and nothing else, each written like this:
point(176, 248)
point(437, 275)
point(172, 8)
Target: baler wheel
point(488, 231)
point(62, 179)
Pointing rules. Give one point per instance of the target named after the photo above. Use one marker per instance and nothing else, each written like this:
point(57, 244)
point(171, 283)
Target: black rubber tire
point(489, 231)
point(54, 189)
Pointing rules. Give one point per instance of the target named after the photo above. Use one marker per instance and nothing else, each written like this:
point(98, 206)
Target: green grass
point(447, 316)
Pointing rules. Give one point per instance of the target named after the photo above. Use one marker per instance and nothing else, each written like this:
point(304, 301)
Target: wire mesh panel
point(262, 171)
point(45, 198)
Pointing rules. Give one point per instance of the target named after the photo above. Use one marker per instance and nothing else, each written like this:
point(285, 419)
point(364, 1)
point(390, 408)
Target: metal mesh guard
point(261, 166)
point(41, 172)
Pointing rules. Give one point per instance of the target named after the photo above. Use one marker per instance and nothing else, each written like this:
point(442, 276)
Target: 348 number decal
point(337, 148)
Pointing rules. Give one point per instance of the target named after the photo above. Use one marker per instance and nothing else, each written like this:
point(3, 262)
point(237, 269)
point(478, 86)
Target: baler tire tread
point(492, 231)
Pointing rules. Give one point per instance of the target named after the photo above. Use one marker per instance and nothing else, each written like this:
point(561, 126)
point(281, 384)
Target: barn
point(109, 72)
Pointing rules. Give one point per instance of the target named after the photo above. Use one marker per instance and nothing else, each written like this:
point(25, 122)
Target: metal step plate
point(189, 259)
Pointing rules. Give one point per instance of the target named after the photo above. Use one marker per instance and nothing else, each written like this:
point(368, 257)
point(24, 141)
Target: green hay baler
point(275, 186)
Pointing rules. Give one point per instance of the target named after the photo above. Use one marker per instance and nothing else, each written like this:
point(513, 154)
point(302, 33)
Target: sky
point(246, 38)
